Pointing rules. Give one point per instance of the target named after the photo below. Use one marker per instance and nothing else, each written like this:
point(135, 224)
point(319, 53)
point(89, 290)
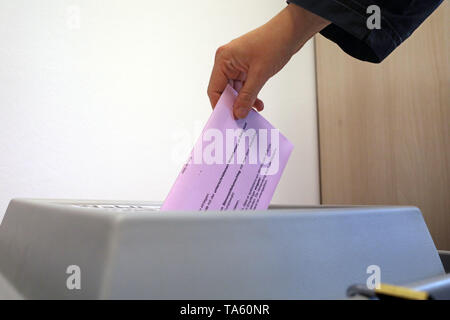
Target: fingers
point(217, 84)
point(224, 72)
point(247, 97)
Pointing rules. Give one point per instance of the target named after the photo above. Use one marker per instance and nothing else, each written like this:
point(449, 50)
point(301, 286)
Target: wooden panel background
point(384, 129)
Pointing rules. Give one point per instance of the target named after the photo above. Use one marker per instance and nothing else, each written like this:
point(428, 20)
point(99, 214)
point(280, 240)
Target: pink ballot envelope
point(235, 164)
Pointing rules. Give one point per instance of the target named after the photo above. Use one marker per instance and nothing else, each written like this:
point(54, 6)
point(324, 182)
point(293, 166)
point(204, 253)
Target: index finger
point(217, 84)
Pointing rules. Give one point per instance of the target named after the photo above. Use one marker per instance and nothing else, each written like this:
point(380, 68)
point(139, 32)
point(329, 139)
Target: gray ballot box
point(123, 250)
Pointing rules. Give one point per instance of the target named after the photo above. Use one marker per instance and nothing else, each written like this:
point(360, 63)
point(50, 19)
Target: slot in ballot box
point(128, 250)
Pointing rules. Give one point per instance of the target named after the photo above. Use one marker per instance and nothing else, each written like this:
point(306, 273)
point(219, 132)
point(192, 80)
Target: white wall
point(88, 109)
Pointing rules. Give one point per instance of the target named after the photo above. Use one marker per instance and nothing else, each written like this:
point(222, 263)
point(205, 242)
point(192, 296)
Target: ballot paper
point(234, 165)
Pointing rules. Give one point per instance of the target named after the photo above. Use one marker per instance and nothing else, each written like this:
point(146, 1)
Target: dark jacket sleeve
point(348, 28)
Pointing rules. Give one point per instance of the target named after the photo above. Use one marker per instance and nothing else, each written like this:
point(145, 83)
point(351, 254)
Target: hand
point(258, 55)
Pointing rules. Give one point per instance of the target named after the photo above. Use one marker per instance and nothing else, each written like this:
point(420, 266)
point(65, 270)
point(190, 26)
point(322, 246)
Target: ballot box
point(74, 249)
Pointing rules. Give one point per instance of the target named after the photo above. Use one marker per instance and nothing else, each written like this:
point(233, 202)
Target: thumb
point(247, 95)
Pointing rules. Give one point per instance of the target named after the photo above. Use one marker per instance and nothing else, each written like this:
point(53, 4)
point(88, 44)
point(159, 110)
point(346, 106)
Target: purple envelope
point(235, 164)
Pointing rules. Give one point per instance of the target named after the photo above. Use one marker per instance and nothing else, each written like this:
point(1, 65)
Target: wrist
point(304, 24)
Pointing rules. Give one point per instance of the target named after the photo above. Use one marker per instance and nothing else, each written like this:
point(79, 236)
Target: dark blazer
point(349, 30)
